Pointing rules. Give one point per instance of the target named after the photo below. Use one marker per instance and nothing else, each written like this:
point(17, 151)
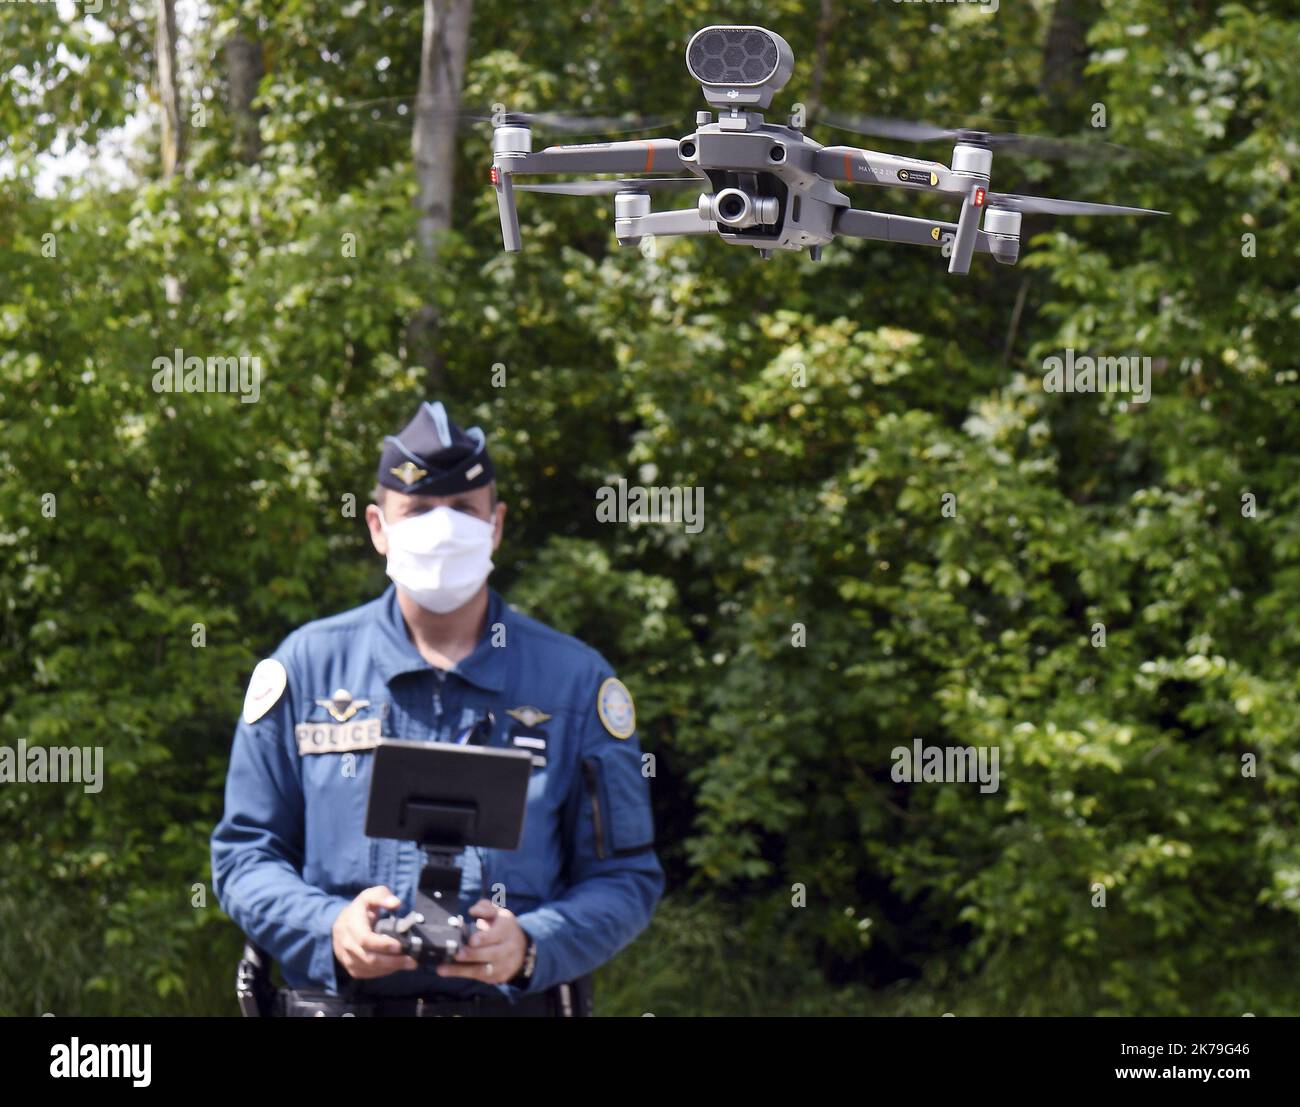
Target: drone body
point(770, 186)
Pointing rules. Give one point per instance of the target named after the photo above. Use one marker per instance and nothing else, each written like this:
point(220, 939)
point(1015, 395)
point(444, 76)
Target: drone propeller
point(608, 188)
point(612, 122)
point(907, 130)
point(570, 123)
point(1045, 205)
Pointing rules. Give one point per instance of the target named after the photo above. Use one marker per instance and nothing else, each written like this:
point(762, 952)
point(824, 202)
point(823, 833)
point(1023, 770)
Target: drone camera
point(737, 208)
point(739, 66)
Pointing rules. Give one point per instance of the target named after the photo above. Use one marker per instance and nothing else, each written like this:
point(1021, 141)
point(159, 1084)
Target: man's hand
point(495, 952)
point(362, 952)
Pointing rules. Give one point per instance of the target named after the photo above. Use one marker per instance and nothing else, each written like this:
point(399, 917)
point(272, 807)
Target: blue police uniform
point(290, 851)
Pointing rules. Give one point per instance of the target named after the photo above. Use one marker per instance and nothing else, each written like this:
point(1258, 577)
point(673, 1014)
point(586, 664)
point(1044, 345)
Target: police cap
point(434, 457)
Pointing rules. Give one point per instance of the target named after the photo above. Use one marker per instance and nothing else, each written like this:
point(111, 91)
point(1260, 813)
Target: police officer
point(438, 657)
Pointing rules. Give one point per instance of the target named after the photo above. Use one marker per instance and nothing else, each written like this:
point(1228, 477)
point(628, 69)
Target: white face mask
point(441, 558)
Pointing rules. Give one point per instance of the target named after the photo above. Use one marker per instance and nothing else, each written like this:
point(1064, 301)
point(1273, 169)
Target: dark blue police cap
point(434, 457)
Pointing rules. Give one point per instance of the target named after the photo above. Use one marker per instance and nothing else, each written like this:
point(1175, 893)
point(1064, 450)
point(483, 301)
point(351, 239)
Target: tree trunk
point(169, 92)
point(443, 48)
point(243, 74)
point(1065, 54)
point(172, 144)
point(825, 22)
point(1061, 84)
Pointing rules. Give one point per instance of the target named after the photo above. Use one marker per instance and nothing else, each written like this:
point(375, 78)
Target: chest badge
point(615, 708)
point(342, 706)
point(529, 716)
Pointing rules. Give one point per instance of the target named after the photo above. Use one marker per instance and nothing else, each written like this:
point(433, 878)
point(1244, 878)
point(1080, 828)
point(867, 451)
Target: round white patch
point(615, 708)
point(265, 687)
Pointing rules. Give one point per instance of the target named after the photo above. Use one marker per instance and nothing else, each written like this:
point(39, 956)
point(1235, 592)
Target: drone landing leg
point(509, 214)
point(968, 223)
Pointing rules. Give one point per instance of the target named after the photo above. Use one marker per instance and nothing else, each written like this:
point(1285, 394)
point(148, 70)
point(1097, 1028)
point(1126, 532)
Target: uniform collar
point(484, 668)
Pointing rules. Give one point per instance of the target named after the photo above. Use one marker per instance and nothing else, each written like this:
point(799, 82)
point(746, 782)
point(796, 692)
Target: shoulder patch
point(265, 688)
point(615, 708)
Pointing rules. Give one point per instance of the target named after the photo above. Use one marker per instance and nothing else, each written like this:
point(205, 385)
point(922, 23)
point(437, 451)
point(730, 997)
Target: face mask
point(441, 558)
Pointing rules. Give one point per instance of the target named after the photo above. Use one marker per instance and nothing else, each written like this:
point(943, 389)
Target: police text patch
point(336, 737)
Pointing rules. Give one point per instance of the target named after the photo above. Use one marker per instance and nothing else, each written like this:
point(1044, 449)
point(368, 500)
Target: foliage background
point(1122, 765)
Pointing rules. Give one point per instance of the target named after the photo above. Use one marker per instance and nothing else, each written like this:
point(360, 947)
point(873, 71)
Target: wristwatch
point(525, 974)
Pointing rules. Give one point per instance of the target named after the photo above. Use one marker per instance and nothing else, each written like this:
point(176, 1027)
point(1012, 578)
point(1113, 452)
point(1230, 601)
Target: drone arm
point(883, 227)
point(848, 163)
point(650, 155)
point(599, 157)
point(683, 221)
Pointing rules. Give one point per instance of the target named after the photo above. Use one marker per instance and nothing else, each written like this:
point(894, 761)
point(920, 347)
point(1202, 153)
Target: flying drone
point(771, 187)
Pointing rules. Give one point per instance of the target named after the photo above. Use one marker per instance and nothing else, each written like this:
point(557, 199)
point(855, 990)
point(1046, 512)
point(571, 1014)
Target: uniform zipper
point(593, 789)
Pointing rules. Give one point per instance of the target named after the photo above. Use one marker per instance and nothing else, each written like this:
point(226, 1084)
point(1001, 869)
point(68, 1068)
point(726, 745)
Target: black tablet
point(448, 796)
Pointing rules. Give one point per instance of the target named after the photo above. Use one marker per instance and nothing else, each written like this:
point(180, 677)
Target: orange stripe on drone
point(848, 167)
point(649, 156)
